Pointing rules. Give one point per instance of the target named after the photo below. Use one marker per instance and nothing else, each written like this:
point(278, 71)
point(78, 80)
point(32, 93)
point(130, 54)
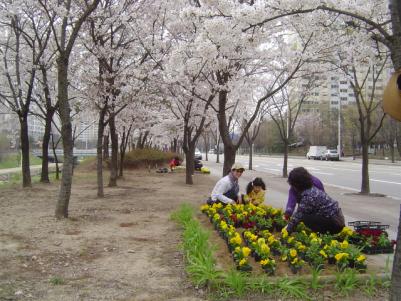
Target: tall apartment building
point(335, 90)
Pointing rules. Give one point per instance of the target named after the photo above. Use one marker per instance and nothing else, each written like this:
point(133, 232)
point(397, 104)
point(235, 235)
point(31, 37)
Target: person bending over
point(255, 192)
point(293, 196)
point(226, 189)
point(316, 209)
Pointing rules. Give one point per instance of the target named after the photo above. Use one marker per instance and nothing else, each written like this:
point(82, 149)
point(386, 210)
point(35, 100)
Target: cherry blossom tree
point(70, 18)
point(285, 108)
point(24, 42)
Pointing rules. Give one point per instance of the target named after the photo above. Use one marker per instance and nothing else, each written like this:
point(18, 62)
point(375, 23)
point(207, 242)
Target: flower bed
point(257, 233)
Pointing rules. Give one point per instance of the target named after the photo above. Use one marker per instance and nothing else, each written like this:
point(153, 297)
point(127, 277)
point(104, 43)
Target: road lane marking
point(341, 187)
point(323, 173)
point(389, 182)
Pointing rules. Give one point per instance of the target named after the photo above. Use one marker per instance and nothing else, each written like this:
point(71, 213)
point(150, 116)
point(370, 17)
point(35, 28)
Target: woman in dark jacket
point(316, 209)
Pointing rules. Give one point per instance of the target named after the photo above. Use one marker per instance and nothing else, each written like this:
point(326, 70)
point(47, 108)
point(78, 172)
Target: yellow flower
point(344, 244)
point(264, 262)
point(341, 256)
point(204, 207)
point(293, 253)
point(265, 249)
point(219, 205)
point(242, 262)
point(301, 247)
point(237, 249)
point(253, 237)
point(323, 253)
point(246, 251)
point(294, 261)
point(334, 243)
point(284, 233)
point(313, 235)
point(361, 258)
point(271, 240)
point(236, 240)
point(261, 241)
point(284, 258)
point(347, 231)
point(290, 239)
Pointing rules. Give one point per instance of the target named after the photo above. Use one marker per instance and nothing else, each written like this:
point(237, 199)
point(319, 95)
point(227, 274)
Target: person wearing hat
point(226, 189)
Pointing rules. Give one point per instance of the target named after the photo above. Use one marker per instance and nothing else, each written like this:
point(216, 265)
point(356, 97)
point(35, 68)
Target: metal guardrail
point(76, 152)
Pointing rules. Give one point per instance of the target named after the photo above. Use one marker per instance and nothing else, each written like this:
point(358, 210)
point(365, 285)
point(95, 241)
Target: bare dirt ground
point(121, 247)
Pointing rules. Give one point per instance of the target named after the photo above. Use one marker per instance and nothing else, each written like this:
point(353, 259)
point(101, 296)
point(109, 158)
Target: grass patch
point(14, 160)
point(57, 280)
point(201, 265)
point(15, 179)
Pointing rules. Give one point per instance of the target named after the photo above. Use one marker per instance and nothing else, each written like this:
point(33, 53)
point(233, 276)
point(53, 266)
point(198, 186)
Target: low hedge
point(147, 156)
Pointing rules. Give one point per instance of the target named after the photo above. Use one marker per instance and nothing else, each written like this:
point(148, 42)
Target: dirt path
point(121, 247)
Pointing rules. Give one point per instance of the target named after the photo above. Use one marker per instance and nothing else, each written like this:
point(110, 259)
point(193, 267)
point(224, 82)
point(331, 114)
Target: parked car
point(198, 154)
point(331, 154)
point(316, 152)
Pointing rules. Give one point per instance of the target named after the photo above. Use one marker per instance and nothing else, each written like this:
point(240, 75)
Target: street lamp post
point(339, 130)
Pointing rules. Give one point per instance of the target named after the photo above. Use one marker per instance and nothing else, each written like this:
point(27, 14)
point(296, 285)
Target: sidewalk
point(35, 170)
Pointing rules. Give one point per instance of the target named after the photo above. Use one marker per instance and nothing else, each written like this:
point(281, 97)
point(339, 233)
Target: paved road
point(341, 180)
point(384, 179)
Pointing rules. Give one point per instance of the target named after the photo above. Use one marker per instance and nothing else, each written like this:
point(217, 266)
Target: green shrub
point(146, 157)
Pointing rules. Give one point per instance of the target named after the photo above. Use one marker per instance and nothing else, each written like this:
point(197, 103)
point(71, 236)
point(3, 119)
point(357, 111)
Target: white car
point(331, 154)
point(316, 152)
point(198, 154)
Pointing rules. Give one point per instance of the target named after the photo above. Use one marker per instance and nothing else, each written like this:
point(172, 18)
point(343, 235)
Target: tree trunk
point(395, 10)
point(99, 153)
point(392, 153)
point(229, 159)
point(106, 147)
point(26, 172)
point(365, 187)
point(66, 134)
point(190, 163)
point(395, 289)
point(175, 145)
point(55, 157)
point(250, 167)
point(114, 151)
point(285, 163)
point(44, 175)
point(218, 150)
point(122, 153)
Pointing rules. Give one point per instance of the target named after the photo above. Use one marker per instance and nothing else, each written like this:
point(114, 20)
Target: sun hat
point(237, 166)
point(392, 96)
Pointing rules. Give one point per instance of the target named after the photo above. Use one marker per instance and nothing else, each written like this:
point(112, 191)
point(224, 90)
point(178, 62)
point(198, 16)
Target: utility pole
point(339, 130)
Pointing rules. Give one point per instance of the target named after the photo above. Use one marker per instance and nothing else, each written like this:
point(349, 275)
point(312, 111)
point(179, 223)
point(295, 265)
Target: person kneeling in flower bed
point(255, 192)
point(316, 209)
point(226, 189)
